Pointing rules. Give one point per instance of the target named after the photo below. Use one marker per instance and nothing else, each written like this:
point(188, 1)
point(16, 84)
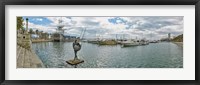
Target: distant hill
point(178, 38)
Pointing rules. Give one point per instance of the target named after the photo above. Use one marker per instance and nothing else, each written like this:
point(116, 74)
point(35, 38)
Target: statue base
point(74, 61)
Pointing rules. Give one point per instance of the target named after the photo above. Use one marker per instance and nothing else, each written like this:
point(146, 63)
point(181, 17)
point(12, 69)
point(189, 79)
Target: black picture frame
point(99, 2)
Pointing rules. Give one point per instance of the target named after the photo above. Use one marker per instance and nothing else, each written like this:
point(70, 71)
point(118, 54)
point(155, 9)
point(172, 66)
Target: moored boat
point(130, 43)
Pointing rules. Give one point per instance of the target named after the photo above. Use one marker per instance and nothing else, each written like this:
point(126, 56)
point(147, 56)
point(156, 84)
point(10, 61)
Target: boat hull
point(129, 44)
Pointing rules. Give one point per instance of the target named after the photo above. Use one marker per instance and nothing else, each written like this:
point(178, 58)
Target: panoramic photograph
point(99, 41)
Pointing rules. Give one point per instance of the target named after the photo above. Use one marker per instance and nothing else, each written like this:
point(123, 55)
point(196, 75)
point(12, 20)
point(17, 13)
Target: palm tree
point(41, 32)
point(37, 32)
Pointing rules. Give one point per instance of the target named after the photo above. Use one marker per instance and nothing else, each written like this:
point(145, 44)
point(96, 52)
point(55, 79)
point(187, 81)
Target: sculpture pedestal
point(74, 62)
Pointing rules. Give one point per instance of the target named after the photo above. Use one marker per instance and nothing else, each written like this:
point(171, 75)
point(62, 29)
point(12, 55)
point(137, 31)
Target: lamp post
point(26, 26)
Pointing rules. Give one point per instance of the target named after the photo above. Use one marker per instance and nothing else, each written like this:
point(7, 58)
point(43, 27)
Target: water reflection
point(155, 55)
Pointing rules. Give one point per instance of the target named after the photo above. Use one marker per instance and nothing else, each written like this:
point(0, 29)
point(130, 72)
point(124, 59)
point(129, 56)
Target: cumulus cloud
point(38, 19)
point(149, 27)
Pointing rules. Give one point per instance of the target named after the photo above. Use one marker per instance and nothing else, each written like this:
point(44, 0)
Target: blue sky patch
point(117, 20)
point(38, 20)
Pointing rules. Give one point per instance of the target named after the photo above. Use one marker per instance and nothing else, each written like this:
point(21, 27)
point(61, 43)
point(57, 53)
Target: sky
point(148, 27)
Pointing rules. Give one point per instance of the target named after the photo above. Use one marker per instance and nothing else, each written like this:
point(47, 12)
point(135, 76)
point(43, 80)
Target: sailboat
point(59, 35)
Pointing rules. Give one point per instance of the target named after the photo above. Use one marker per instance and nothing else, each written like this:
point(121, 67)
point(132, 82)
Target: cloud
point(39, 19)
point(35, 27)
point(149, 27)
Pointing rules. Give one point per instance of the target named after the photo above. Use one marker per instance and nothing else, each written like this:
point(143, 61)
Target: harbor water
point(154, 55)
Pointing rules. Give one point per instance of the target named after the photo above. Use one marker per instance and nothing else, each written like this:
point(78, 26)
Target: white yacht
point(130, 43)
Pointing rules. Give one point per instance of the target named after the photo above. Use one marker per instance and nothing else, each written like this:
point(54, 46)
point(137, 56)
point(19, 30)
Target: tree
point(20, 23)
point(44, 35)
point(41, 32)
point(31, 31)
point(37, 32)
point(179, 38)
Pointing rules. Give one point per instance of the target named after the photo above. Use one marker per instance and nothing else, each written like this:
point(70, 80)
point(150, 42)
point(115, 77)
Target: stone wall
point(26, 57)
